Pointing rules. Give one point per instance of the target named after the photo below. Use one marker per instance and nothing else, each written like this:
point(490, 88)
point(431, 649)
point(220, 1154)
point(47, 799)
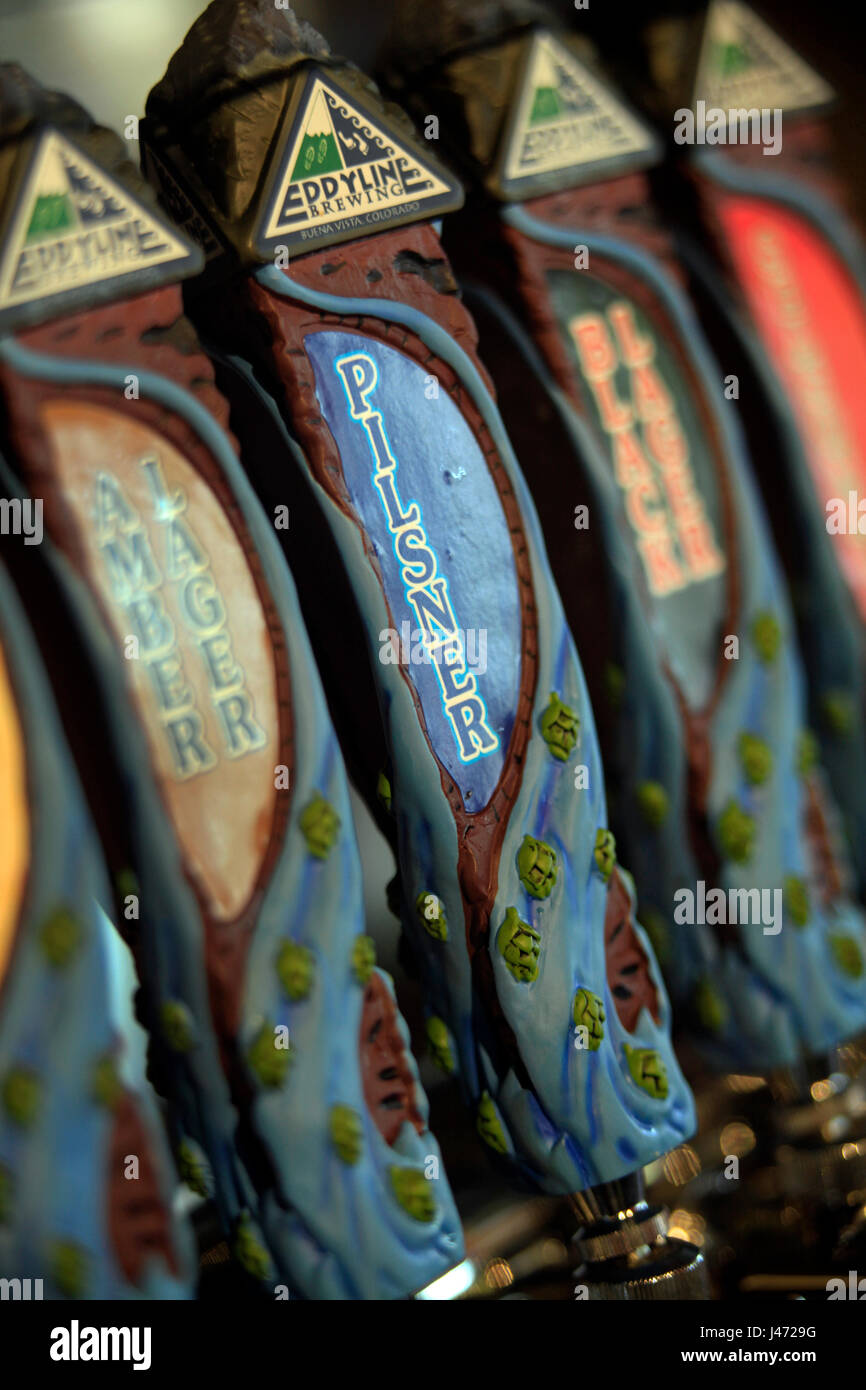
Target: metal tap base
point(626, 1253)
point(775, 1181)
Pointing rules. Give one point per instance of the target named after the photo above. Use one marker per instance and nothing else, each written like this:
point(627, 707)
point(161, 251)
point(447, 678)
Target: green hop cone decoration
point(519, 944)
point(268, 1059)
point(60, 937)
point(295, 967)
point(431, 915)
point(414, 1193)
point(847, 955)
point(20, 1095)
point(559, 727)
point(69, 1268)
point(194, 1169)
point(796, 896)
point(105, 1086)
point(363, 958)
point(383, 791)
point(126, 884)
point(807, 752)
point(604, 853)
point(655, 925)
point(838, 712)
point(766, 636)
point(250, 1251)
point(536, 867)
point(756, 758)
point(176, 1024)
point(736, 833)
point(710, 1006)
point(319, 824)
point(588, 1013)
point(730, 58)
point(439, 1042)
point(489, 1125)
point(652, 800)
point(614, 685)
point(647, 1070)
point(346, 1132)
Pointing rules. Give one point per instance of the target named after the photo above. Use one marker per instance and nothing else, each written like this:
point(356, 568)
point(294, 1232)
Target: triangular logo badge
point(566, 123)
point(343, 174)
point(74, 228)
point(744, 64)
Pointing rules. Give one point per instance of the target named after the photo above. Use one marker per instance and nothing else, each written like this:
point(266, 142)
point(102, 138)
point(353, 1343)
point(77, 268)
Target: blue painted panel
point(428, 502)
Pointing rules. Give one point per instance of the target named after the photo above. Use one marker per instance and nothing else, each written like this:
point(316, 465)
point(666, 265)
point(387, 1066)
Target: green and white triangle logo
point(73, 228)
point(564, 121)
point(343, 174)
point(743, 64)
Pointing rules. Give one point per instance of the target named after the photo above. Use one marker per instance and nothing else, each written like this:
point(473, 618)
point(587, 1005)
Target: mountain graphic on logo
point(546, 105)
point(52, 213)
point(564, 118)
point(343, 170)
point(744, 64)
point(560, 90)
point(731, 58)
point(72, 228)
point(318, 153)
point(335, 137)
